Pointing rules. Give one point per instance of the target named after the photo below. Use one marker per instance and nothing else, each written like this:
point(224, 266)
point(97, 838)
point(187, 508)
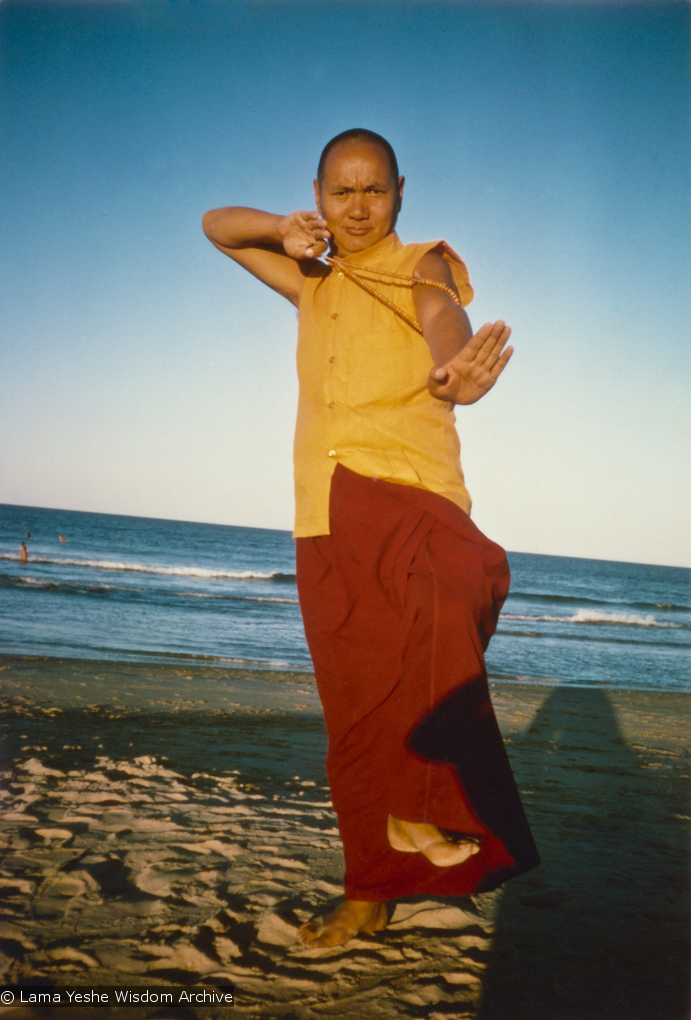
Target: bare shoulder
point(434, 266)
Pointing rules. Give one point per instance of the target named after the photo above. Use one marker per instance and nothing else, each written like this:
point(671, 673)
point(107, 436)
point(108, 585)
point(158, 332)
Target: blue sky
point(548, 143)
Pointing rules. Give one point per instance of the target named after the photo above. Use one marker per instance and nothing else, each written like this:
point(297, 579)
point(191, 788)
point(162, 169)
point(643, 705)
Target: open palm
point(475, 369)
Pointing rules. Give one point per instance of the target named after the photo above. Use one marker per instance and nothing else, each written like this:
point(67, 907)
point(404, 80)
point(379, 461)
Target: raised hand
point(304, 235)
point(475, 369)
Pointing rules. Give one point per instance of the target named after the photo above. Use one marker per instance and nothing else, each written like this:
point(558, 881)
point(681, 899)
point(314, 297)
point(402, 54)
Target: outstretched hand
point(473, 371)
point(304, 235)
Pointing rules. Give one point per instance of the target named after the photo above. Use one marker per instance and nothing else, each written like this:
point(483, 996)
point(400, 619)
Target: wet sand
point(167, 826)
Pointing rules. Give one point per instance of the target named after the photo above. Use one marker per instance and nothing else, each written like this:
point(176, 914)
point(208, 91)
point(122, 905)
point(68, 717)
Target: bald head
point(359, 135)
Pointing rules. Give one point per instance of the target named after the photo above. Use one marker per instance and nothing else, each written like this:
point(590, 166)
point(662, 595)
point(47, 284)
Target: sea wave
point(238, 598)
point(145, 568)
point(128, 591)
point(644, 638)
point(552, 599)
point(97, 653)
point(598, 618)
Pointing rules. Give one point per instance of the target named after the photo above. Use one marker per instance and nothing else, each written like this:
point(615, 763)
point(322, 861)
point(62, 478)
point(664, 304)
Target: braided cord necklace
point(351, 271)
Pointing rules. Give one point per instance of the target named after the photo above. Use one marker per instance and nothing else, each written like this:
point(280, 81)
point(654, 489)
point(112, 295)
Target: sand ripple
point(131, 868)
point(154, 876)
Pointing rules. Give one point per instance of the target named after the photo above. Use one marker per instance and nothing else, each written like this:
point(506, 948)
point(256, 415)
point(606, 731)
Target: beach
point(169, 826)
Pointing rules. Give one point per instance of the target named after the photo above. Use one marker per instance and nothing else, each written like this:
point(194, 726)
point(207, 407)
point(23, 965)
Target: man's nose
point(358, 207)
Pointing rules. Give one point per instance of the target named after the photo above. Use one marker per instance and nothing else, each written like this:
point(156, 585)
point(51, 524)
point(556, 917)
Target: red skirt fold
point(399, 603)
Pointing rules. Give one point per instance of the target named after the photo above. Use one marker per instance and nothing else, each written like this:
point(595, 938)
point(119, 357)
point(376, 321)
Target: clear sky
point(143, 373)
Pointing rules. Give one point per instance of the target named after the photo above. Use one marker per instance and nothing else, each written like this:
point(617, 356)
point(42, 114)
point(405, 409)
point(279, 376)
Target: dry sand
point(174, 826)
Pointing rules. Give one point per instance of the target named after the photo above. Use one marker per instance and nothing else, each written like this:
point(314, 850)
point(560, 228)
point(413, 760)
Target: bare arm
point(465, 366)
point(445, 325)
point(278, 250)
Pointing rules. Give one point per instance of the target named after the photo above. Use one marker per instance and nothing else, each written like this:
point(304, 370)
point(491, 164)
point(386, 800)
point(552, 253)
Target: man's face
point(358, 198)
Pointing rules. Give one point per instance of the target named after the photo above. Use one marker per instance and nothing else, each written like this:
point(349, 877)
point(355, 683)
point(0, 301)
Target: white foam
point(144, 568)
point(595, 617)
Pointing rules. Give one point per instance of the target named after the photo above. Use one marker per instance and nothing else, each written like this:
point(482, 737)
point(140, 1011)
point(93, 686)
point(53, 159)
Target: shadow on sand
point(601, 930)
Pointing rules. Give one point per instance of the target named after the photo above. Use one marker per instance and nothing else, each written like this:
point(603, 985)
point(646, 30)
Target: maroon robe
point(399, 603)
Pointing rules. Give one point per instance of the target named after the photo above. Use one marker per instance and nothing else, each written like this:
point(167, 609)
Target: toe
point(325, 936)
point(308, 932)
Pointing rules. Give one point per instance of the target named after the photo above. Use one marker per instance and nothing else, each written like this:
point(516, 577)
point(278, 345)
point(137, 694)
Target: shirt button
point(335, 315)
point(331, 403)
point(331, 360)
point(340, 276)
point(332, 453)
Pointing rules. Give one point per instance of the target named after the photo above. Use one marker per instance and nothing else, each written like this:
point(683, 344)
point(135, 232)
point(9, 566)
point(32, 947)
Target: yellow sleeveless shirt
point(363, 399)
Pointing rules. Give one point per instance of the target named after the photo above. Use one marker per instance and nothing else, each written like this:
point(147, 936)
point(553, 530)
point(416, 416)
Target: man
point(400, 593)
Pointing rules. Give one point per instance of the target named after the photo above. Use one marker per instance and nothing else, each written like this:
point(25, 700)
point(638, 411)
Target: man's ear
point(401, 186)
point(316, 197)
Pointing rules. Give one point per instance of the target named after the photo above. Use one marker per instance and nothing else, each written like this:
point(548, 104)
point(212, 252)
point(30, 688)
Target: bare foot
point(421, 838)
point(350, 918)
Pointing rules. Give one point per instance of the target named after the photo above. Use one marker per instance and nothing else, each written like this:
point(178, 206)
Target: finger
point(479, 342)
point(474, 352)
point(483, 348)
point(442, 374)
point(444, 391)
point(502, 338)
point(491, 355)
point(314, 221)
point(500, 333)
point(482, 335)
point(494, 331)
point(317, 232)
point(315, 250)
point(495, 336)
point(501, 363)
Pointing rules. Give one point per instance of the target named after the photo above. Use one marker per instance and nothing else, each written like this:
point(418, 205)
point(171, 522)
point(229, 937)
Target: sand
point(167, 826)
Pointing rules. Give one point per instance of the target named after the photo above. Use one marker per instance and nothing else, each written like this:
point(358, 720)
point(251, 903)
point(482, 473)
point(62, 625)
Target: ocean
point(135, 589)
